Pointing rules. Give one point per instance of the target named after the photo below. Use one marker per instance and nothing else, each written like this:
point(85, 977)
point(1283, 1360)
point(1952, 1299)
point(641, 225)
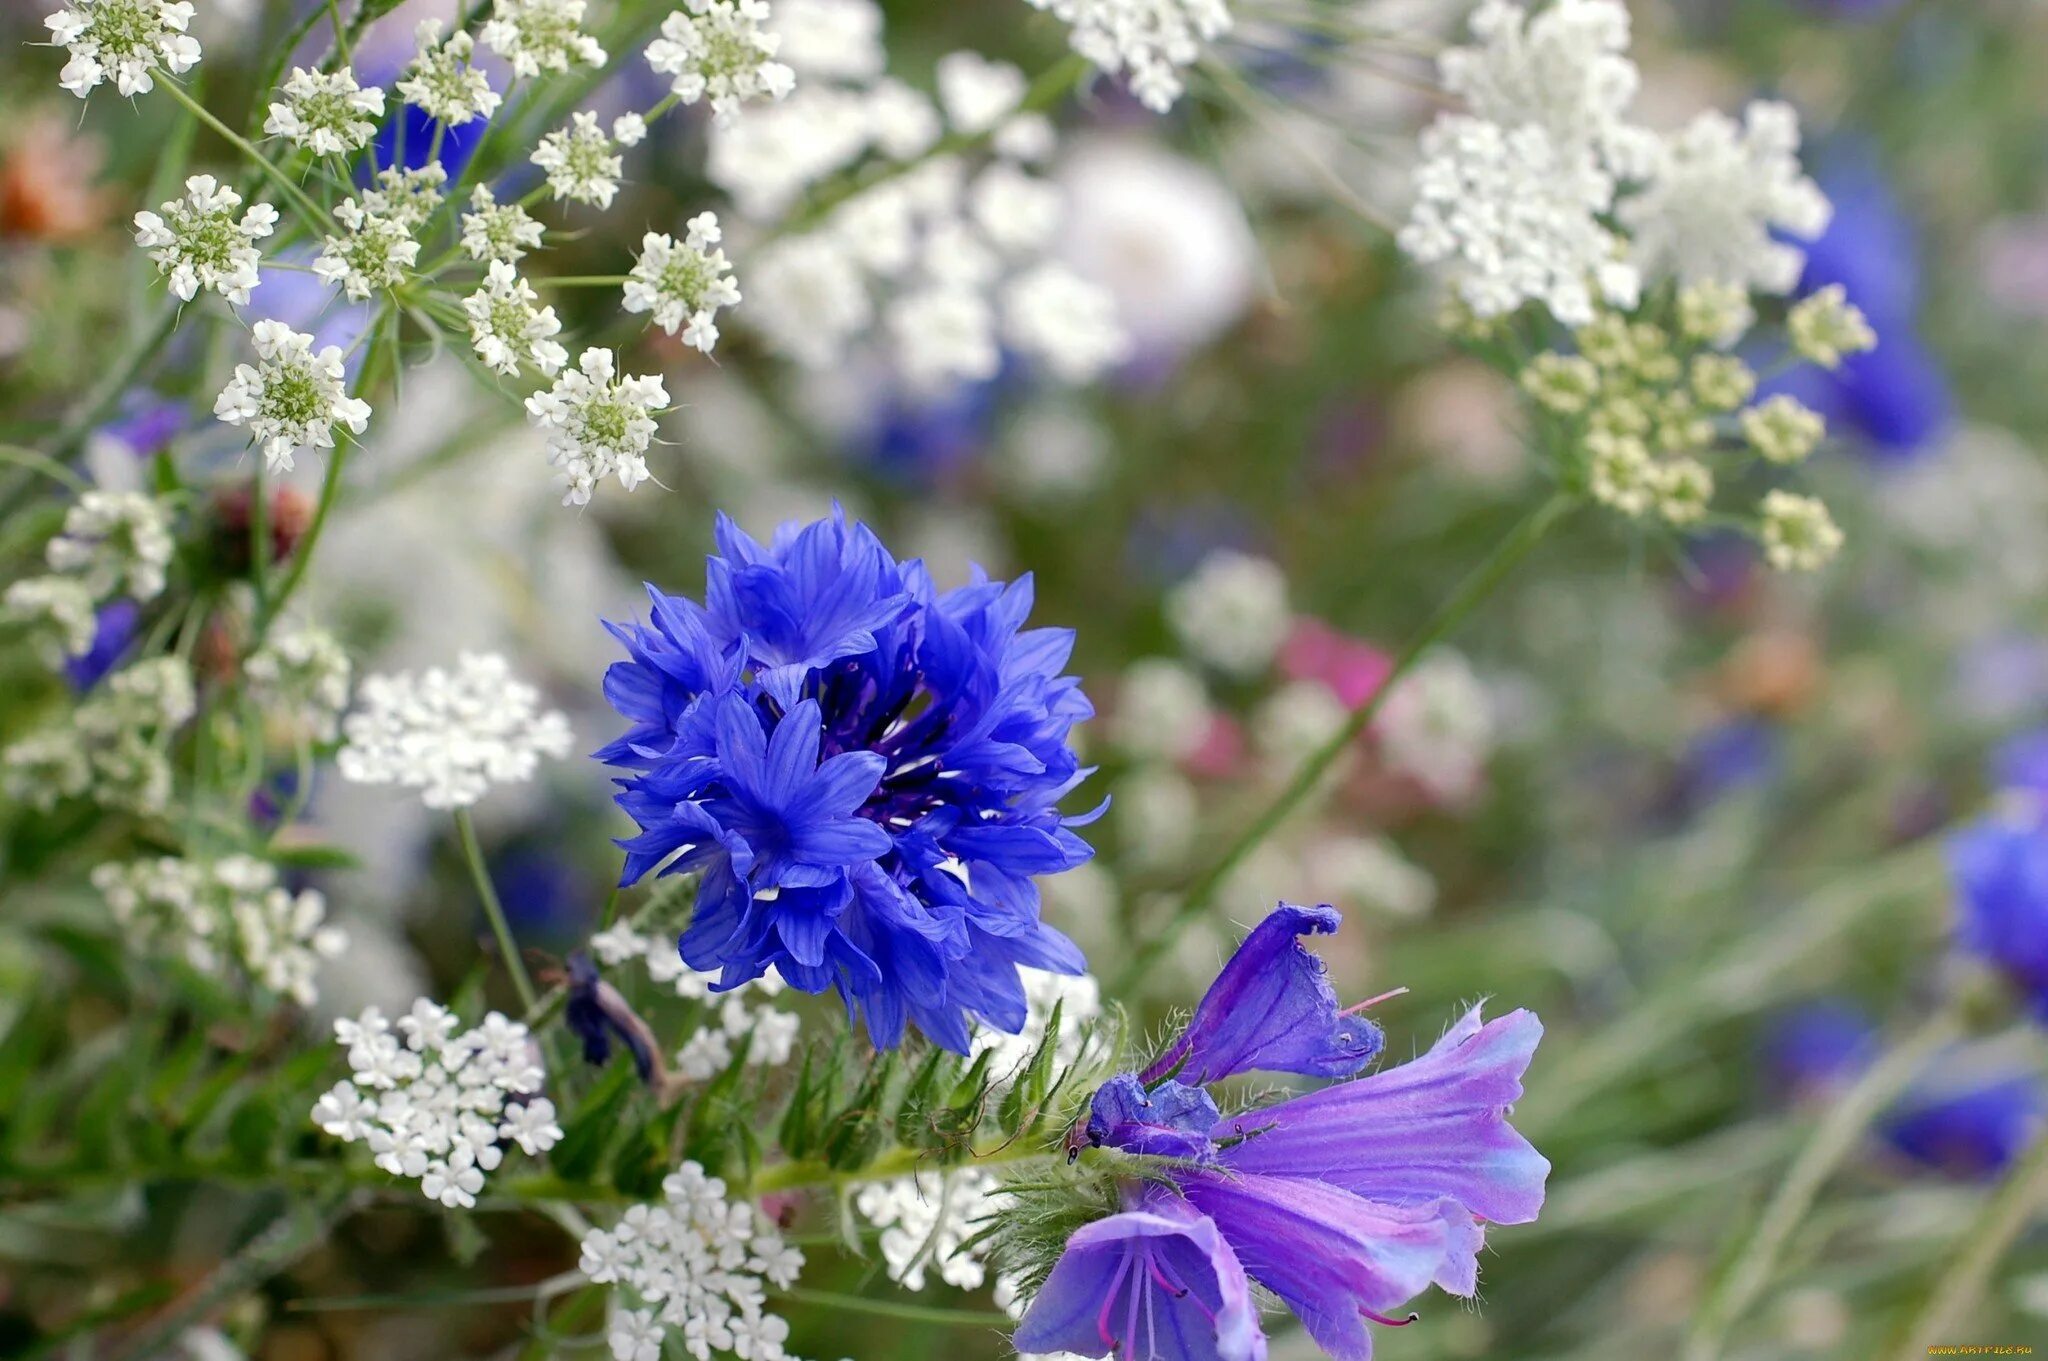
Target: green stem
point(94, 407)
point(340, 32)
point(42, 463)
point(587, 281)
point(1954, 1300)
point(1839, 1134)
point(248, 149)
point(302, 552)
point(259, 536)
point(901, 1309)
point(473, 852)
point(1469, 595)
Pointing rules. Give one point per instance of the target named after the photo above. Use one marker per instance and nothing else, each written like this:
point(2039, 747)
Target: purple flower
point(866, 771)
point(113, 633)
point(2000, 865)
point(1346, 1202)
point(1970, 1124)
point(1814, 1050)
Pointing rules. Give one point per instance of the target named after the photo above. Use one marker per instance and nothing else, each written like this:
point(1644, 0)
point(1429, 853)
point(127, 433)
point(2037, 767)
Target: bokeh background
point(1687, 810)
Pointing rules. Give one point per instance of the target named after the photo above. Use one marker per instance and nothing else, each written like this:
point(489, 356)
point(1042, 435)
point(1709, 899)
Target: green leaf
point(466, 1238)
point(589, 1130)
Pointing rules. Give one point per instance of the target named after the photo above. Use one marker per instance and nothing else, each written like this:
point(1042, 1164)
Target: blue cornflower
point(1345, 1202)
point(1967, 1119)
point(2000, 867)
point(1815, 1049)
point(114, 632)
point(866, 771)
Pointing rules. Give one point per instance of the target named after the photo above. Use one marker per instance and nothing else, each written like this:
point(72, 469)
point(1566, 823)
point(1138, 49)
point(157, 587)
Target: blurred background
point(1687, 810)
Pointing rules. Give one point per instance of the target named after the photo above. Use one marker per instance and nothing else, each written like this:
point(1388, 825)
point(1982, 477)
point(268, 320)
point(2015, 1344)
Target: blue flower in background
point(1968, 1128)
point(2000, 865)
point(866, 771)
point(407, 140)
point(1818, 1048)
point(113, 634)
point(1731, 756)
point(2021, 763)
point(1345, 1202)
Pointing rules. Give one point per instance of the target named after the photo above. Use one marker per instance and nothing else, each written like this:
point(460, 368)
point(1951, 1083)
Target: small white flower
point(598, 425)
point(629, 129)
point(1019, 213)
point(302, 671)
point(1564, 68)
point(531, 1125)
point(1827, 326)
point(345, 1112)
point(944, 335)
point(198, 242)
point(807, 295)
point(1798, 533)
point(292, 396)
point(1783, 429)
point(498, 231)
point(1150, 41)
point(376, 253)
point(976, 93)
point(441, 83)
point(124, 39)
point(683, 286)
point(636, 1336)
point(721, 51)
point(505, 325)
point(1231, 612)
point(230, 918)
point(541, 35)
point(1162, 710)
point(1060, 317)
point(1437, 727)
point(450, 734)
point(116, 542)
point(581, 161)
point(326, 113)
point(57, 613)
point(407, 195)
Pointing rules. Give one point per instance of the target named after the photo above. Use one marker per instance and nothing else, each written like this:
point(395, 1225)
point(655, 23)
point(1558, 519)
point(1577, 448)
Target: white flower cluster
point(684, 285)
point(229, 918)
point(376, 251)
point(110, 750)
point(598, 425)
point(197, 241)
point(506, 325)
point(325, 113)
point(695, 1265)
point(436, 1106)
point(1514, 198)
point(450, 734)
point(582, 161)
point(931, 1221)
point(1231, 612)
point(541, 35)
point(1798, 533)
point(710, 1048)
point(947, 254)
point(721, 51)
point(442, 83)
point(292, 396)
point(1437, 727)
point(1077, 998)
point(1162, 710)
point(1150, 41)
point(124, 39)
point(498, 231)
point(115, 542)
point(55, 612)
point(303, 672)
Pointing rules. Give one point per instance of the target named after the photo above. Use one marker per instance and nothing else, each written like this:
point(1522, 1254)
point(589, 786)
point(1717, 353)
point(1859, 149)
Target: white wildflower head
point(1162, 710)
point(945, 334)
point(721, 51)
point(325, 113)
point(1516, 218)
point(113, 749)
point(1564, 68)
point(436, 1104)
point(450, 734)
point(442, 83)
point(1798, 533)
point(1716, 313)
point(1827, 326)
point(598, 424)
point(116, 542)
point(684, 285)
point(56, 614)
point(541, 35)
point(302, 673)
point(1783, 429)
point(808, 296)
point(1231, 612)
point(978, 94)
point(377, 251)
point(407, 194)
point(230, 918)
point(1437, 727)
point(934, 1222)
point(1717, 194)
point(1077, 998)
point(292, 396)
point(1053, 314)
point(122, 40)
point(1684, 489)
point(696, 1267)
point(198, 241)
point(507, 327)
point(1620, 471)
point(498, 231)
point(1150, 42)
point(582, 161)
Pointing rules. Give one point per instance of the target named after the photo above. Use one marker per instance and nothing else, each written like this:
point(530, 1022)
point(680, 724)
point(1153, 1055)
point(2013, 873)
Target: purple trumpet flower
point(1345, 1202)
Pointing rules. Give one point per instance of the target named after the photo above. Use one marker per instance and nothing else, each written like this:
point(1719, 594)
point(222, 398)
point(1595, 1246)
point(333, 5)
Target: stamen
point(1386, 1322)
point(1373, 1002)
point(1109, 1303)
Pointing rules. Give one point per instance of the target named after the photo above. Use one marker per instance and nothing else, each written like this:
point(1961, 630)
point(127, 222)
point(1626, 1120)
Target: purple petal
point(1172, 1121)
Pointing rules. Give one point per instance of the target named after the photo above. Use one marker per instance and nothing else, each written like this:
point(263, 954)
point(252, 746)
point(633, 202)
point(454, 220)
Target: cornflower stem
point(473, 852)
point(242, 144)
point(1470, 594)
point(1953, 1300)
point(1837, 1135)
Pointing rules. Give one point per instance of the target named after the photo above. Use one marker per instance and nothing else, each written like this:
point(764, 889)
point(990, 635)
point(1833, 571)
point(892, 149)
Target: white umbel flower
point(1717, 194)
point(498, 231)
point(376, 253)
point(684, 285)
point(406, 195)
point(1827, 326)
point(694, 1265)
point(583, 162)
point(113, 748)
point(506, 326)
point(541, 35)
point(55, 612)
point(301, 672)
point(1057, 316)
point(933, 1222)
point(198, 242)
point(1231, 611)
point(1150, 42)
point(1798, 533)
point(1516, 219)
point(124, 40)
point(976, 93)
point(944, 334)
point(450, 734)
point(721, 51)
point(116, 542)
point(292, 396)
point(326, 113)
point(1564, 68)
point(442, 83)
point(231, 919)
point(598, 425)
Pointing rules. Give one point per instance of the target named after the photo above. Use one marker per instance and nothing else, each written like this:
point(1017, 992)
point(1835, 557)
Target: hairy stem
point(1470, 594)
